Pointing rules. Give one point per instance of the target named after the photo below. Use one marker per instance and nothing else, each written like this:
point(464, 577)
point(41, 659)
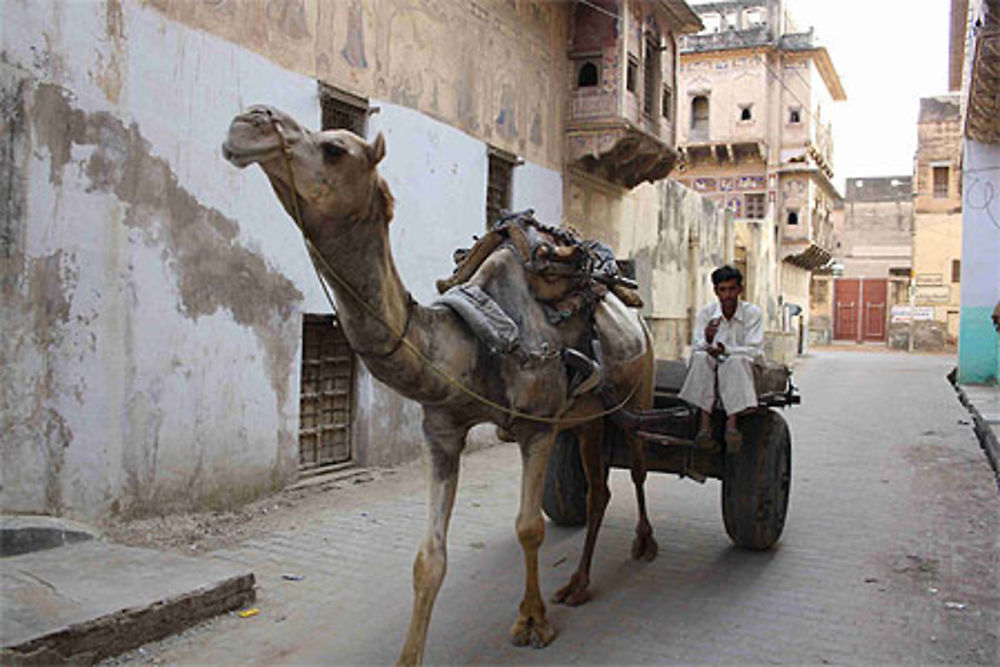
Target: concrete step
point(90, 600)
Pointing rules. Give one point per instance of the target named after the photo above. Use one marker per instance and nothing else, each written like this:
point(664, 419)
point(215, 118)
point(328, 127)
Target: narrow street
point(889, 554)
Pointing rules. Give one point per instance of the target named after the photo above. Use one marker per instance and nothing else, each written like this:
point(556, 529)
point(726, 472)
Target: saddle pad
point(486, 319)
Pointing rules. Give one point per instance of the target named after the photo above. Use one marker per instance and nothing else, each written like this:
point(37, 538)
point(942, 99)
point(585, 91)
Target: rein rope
point(401, 339)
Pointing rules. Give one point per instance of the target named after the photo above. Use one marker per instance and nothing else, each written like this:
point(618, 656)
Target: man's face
point(728, 292)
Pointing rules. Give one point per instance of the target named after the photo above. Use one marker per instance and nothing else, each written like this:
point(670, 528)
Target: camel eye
point(332, 152)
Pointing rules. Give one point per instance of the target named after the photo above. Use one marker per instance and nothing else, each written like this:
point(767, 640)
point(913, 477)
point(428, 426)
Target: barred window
point(755, 207)
point(940, 182)
point(342, 111)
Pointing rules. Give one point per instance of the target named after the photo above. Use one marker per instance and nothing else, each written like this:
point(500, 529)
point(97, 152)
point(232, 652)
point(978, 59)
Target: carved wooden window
point(498, 184)
point(342, 111)
point(754, 206)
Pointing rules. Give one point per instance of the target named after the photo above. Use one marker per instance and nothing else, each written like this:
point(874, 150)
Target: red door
point(860, 305)
point(874, 293)
point(847, 302)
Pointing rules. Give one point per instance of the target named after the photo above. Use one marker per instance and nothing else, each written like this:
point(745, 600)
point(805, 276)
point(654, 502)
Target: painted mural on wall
point(485, 67)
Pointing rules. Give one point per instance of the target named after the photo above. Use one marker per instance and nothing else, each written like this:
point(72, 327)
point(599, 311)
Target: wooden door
point(847, 304)
point(326, 396)
point(874, 296)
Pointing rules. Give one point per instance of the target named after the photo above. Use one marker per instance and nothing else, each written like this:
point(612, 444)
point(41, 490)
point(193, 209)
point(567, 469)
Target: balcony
point(614, 149)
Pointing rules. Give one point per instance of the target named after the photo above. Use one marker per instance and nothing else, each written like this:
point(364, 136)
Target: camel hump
point(566, 274)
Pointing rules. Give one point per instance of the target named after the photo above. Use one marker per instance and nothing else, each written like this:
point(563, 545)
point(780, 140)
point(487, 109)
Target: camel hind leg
point(590, 437)
point(644, 547)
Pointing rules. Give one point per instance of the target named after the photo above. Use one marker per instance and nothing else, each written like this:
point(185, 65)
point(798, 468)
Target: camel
point(329, 185)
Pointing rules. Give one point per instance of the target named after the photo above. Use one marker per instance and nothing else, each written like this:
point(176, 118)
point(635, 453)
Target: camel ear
point(376, 150)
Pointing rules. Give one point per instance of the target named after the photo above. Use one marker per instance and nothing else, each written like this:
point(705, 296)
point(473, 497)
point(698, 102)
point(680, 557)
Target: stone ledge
point(86, 602)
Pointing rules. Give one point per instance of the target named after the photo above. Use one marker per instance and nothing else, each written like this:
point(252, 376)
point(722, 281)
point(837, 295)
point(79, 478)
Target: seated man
point(728, 336)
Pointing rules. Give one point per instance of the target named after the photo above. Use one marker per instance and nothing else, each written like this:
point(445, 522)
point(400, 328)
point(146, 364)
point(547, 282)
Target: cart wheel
point(564, 497)
point(756, 482)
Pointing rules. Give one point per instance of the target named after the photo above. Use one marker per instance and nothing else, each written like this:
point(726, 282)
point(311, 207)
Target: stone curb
point(108, 636)
point(984, 432)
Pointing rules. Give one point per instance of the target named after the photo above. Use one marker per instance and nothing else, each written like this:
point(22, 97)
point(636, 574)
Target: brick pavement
point(889, 554)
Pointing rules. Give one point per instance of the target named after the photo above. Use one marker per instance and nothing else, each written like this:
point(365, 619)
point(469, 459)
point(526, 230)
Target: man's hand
point(717, 349)
point(710, 329)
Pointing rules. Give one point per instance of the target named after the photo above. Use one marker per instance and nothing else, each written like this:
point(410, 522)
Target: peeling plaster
point(213, 272)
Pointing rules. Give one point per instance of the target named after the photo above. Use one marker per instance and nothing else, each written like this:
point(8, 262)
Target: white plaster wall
point(539, 188)
point(154, 408)
point(438, 176)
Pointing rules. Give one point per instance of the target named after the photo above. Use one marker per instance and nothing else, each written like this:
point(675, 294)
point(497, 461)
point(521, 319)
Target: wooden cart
point(756, 480)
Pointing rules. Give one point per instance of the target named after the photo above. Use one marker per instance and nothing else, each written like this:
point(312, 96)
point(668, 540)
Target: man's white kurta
point(743, 337)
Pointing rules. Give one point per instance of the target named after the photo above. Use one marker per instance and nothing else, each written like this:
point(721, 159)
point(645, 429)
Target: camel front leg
point(431, 562)
point(531, 626)
point(590, 438)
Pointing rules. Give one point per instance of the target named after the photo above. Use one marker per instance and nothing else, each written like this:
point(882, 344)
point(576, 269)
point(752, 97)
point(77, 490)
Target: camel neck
point(373, 306)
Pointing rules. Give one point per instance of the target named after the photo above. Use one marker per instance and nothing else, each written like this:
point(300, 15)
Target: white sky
point(889, 54)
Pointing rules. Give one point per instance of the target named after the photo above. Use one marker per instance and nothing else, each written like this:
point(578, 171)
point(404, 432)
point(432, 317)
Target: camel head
point(334, 171)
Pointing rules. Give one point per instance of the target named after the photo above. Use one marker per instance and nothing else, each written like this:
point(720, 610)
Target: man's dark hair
point(724, 273)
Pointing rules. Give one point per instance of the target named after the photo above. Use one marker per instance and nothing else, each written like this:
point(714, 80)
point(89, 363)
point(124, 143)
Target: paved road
point(890, 554)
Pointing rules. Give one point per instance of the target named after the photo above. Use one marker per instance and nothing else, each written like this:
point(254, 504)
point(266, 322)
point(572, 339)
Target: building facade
point(974, 62)
point(754, 128)
point(166, 343)
point(937, 214)
point(874, 231)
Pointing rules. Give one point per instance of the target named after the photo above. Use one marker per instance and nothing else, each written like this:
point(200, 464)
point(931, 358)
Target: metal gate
point(325, 398)
point(861, 309)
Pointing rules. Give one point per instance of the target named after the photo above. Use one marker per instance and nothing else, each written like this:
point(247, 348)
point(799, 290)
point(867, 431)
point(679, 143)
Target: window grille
point(342, 111)
point(754, 206)
point(940, 182)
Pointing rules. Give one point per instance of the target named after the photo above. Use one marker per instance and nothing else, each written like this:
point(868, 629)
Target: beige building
point(937, 236)
point(754, 107)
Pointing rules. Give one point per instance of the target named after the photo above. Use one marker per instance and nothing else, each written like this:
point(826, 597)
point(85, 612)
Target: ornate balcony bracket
point(806, 255)
point(623, 155)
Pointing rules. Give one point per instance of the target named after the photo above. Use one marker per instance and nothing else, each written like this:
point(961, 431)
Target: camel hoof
point(530, 632)
point(575, 592)
point(644, 547)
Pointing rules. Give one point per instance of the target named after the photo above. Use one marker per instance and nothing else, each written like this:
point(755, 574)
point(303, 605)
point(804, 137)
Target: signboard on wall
point(929, 279)
point(933, 294)
point(907, 313)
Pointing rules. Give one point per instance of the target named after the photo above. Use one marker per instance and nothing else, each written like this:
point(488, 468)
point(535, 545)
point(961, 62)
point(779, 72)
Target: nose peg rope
point(401, 339)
